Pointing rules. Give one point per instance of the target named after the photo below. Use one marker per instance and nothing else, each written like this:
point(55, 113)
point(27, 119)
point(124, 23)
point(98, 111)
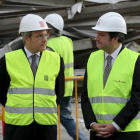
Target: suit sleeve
point(87, 111)
point(132, 107)
point(4, 81)
point(60, 83)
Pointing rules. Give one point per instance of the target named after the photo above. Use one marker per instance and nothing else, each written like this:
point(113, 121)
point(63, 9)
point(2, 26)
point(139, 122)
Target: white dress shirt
point(29, 54)
point(114, 56)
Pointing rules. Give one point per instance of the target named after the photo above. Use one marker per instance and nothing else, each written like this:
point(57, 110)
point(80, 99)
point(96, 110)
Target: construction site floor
point(64, 135)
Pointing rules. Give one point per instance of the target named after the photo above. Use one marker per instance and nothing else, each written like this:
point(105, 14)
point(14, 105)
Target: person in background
point(64, 46)
point(32, 85)
point(111, 90)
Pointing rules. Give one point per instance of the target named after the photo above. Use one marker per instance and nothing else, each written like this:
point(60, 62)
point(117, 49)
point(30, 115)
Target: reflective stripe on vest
point(108, 101)
point(111, 117)
point(30, 90)
point(68, 65)
point(23, 110)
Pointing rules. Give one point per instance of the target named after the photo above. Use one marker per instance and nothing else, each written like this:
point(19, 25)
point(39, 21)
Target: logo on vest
point(119, 81)
point(46, 77)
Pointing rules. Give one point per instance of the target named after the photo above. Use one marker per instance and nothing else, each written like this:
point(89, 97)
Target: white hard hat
point(55, 20)
point(111, 22)
point(32, 22)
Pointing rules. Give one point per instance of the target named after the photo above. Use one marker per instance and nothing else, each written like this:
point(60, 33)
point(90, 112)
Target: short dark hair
point(117, 34)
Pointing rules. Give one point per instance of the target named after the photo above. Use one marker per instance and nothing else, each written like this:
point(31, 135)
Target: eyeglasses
point(40, 37)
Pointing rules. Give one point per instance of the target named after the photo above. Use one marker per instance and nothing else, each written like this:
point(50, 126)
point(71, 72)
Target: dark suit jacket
point(130, 110)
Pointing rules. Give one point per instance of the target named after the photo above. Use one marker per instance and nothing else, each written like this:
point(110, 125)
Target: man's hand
point(104, 130)
point(109, 127)
point(99, 128)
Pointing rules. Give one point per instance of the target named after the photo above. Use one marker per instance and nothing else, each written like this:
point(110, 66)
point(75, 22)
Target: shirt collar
point(115, 53)
point(29, 53)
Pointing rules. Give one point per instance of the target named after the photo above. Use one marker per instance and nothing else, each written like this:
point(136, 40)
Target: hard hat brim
point(22, 31)
point(108, 30)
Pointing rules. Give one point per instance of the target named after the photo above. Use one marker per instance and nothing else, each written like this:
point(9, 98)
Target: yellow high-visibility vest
point(31, 98)
point(108, 101)
point(64, 46)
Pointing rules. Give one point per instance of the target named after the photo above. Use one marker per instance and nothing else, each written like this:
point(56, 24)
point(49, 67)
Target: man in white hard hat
point(32, 84)
point(64, 46)
point(111, 90)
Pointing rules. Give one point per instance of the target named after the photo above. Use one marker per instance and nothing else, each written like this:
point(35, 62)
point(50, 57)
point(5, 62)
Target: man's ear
point(48, 32)
point(26, 38)
point(115, 39)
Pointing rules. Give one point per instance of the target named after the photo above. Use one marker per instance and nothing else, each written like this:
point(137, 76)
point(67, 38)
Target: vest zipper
point(33, 98)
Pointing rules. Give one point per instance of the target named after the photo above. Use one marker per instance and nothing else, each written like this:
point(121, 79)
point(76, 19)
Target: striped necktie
point(107, 68)
point(33, 64)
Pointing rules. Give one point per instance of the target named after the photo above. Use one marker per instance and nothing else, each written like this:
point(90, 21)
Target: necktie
point(107, 68)
point(33, 64)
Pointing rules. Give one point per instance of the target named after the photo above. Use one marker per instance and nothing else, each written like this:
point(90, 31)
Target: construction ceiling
point(79, 17)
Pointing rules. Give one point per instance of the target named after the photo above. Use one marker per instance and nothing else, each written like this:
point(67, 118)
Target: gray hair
point(54, 31)
point(23, 34)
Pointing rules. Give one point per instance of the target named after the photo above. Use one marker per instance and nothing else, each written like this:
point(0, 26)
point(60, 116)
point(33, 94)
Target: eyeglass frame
point(41, 37)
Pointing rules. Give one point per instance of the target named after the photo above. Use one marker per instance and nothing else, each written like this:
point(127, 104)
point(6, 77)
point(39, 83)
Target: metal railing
point(75, 78)
point(2, 119)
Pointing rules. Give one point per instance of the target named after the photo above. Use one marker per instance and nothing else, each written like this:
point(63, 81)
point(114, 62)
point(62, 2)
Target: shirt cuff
point(92, 123)
point(116, 126)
